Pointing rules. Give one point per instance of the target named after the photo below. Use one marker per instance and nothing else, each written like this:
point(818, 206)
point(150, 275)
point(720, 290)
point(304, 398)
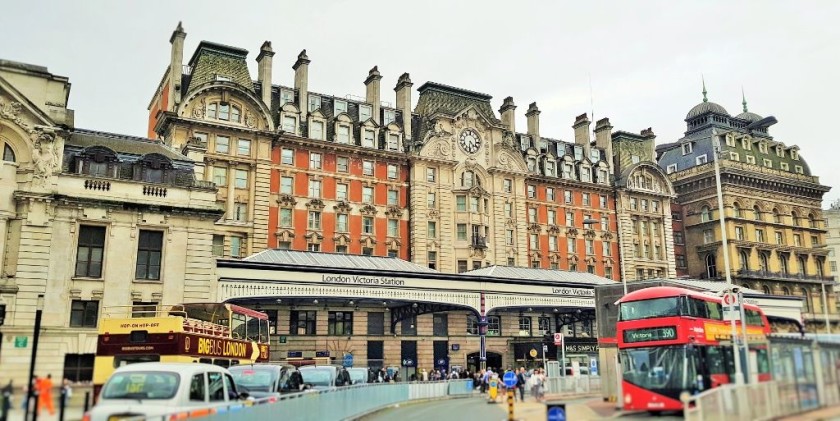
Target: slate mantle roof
point(211, 59)
point(437, 98)
point(123, 144)
point(336, 260)
point(545, 275)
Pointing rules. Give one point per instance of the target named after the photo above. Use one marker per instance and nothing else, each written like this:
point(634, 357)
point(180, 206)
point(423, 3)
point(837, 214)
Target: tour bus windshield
point(141, 385)
point(645, 309)
point(659, 368)
point(253, 379)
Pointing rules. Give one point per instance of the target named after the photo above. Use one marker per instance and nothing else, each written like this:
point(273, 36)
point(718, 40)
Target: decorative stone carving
point(534, 228)
point(286, 200)
point(342, 207)
point(10, 111)
point(440, 149)
point(433, 214)
point(589, 233)
point(44, 155)
point(553, 229)
point(572, 232)
point(198, 109)
point(316, 204)
point(250, 119)
point(393, 211)
point(314, 237)
point(368, 210)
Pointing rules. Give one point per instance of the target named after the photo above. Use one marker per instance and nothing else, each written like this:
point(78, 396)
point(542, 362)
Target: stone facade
point(775, 228)
point(89, 220)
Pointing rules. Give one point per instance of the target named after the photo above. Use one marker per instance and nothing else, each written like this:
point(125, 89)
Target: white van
point(154, 389)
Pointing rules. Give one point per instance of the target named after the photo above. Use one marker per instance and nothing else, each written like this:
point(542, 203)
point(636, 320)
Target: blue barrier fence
point(338, 404)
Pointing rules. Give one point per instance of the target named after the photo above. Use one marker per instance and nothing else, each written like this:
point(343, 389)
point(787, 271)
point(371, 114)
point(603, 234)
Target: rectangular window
point(84, 313)
point(708, 236)
point(302, 322)
point(341, 191)
point(590, 247)
point(290, 124)
point(768, 163)
point(235, 246)
point(314, 161)
point(509, 209)
point(286, 184)
point(678, 238)
point(342, 134)
point(431, 259)
point(365, 112)
point(376, 323)
point(408, 327)
point(90, 251)
point(798, 169)
point(222, 144)
point(341, 222)
point(605, 223)
point(340, 323)
point(700, 159)
point(815, 242)
point(241, 179)
point(644, 205)
point(671, 168)
point(244, 147)
point(367, 251)
point(534, 241)
point(286, 217)
point(532, 191)
point(440, 324)
point(603, 201)
point(341, 249)
point(552, 243)
point(461, 232)
point(339, 107)
point(313, 247)
point(220, 176)
point(367, 167)
point(431, 200)
point(240, 212)
point(474, 204)
point(286, 96)
point(532, 215)
point(549, 193)
point(284, 245)
point(367, 195)
point(78, 367)
point(149, 250)
point(393, 197)
point(367, 225)
point(388, 117)
point(314, 221)
point(509, 237)
point(393, 142)
point(759, 236)
point(571, 245)
point(431, 229)
point(342, 164)
point(393, 228)
point(586, 199)
point(739, 233)
point(431, 174)
point(494, 326)
point(316, 130)
point(461, 203)
point(314, 102)
point(314, 188)
point(607, 250)
point(686, 148)
point(750, 159)
point(552, 217)
point(797, 240)
point(567, 196)
point(287, 156)
point(392, 171)
point(218, 245)
point(634, 203)
point(570, 219)
point(368, 139)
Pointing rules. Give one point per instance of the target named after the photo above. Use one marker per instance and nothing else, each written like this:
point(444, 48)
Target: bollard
point(87, 402)
point(6, 406)
point(62, 404)
point(510, 404)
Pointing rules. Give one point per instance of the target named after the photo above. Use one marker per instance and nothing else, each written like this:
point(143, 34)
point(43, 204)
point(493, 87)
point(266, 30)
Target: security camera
point(735, 290)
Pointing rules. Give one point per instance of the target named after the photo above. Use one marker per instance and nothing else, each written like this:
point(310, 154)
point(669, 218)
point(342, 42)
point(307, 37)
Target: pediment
point(370, 124)
point(318, 114)
point(17, 108)
point(438, 148)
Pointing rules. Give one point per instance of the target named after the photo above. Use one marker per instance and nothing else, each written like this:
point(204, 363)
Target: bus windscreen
point(646, 309)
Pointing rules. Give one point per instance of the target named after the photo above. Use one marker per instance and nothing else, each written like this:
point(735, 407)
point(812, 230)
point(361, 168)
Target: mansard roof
point(437, 98)
point(124, 144)
point(212, 61)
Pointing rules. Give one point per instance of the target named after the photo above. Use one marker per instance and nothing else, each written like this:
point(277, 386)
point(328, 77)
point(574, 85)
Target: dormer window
point(532, 164)
point(768, 163)
point(762, 147)
point(97, 161)
point(594, 155)
point(388, 117)
point(700, 160)
point(339, 107)
point(316, 130)
point(672, 168)
point(290, 124)
point(314, 103)
point(393, 141)
point(578, 153)
point(525, 142)
point(746, 144)
point(369, 139)
point(585, 174)
point(780, 151)
point(794, 154)
point(549, 168)
point(686, 148)
point(152, 168)
point(287, 96)
point(568, 171)
point(343, 134)
point(603, 176)
point(365, 112)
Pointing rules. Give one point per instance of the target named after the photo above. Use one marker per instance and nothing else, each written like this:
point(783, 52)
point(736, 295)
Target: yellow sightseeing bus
point(214, 333)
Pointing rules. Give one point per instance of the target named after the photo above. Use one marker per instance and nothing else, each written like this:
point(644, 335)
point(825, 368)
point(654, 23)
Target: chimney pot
point(403, 90)
point(302, 59)
point(508, 116)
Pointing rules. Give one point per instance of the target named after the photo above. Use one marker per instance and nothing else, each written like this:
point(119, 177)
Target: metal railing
point(572, 384)
point(337, 404)
point(758, 401)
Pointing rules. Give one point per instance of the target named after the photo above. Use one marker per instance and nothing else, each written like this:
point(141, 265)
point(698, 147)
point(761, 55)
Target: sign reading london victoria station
point(362, 280)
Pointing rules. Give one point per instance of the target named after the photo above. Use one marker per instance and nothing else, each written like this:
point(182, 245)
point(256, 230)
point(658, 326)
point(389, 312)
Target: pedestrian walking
point(520, 383)
point(44, 387)
point(68, 391)
point(424, 375)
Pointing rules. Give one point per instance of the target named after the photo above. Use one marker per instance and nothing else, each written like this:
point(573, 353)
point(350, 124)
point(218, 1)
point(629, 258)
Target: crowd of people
point(43, 388)
point(531, 380)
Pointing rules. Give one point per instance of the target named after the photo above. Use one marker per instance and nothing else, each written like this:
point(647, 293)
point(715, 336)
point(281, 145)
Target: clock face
point(470, 142)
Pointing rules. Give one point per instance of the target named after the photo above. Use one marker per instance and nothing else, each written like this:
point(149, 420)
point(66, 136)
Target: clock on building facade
point(470, 141)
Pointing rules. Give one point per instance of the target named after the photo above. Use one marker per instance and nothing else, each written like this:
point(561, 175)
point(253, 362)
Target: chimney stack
point(264, 62)
point(176, 64)
point(373, 92)
point(533, 115)
point(603, 139)
point(403, 90)
point(508, 115)
point(648, 133)
point(301, 69)
point(581, 127)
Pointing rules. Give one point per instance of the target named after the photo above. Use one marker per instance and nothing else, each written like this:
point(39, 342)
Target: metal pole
point(39, 309)
point(825, 308)
point(744, 332)
point(61, 403)
point(563, 353)
point(739, 377)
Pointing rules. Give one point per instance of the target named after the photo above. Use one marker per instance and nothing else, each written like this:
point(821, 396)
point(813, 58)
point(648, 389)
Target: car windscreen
point(254, 379)
point(318, 376)
point(141, 385)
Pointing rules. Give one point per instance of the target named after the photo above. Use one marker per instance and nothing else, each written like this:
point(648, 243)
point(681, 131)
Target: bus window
point(222, 363)
point(763, 361)
point(205, 361)
point(121, 360)
point(238, 326)
point(714, 360)
point(697, 308)
point(644, 309)
point(715, 310)
point(754, 318)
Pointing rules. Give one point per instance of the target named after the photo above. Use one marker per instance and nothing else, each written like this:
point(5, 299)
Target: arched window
point(736, 210)
point(8, 153)
point(766, 289)
point(762, 262)
point(796, 220)
point(705, 214)
point(820, 263)
point(469, 179)
point(812, 222)
point(711, 266)
point(224, 111)
point(785, 291)
point(235, 114)
point(776, 217)
point(806, 302)
point(756, 213)
point(803, 265)
point(745, 260)
point(783, 264)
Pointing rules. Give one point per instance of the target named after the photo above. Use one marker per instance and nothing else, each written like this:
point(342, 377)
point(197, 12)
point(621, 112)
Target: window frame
point(151, 249)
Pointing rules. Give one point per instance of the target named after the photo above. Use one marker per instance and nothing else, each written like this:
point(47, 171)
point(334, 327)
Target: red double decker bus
point(670, 343)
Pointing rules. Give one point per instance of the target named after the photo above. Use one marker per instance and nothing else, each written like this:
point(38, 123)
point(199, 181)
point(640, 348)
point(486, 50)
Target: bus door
point(716, 363)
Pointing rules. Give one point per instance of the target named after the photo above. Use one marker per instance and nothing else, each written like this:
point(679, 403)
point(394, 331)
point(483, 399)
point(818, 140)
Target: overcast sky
point(644, 58)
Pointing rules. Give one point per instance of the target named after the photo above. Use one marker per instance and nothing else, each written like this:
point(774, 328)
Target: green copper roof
point(213, 61)
point(436, 98)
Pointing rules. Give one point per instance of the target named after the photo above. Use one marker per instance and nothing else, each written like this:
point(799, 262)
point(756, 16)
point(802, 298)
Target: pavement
point(70, 414)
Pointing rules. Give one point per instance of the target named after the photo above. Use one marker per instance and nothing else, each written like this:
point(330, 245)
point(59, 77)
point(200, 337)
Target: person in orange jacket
point(44, 386)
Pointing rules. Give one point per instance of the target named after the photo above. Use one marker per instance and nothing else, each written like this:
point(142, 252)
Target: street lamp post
point(39, 309)
point(825, 308)
point(739, 377)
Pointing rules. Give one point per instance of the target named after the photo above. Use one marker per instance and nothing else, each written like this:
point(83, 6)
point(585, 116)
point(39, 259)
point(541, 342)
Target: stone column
point(231, 196)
